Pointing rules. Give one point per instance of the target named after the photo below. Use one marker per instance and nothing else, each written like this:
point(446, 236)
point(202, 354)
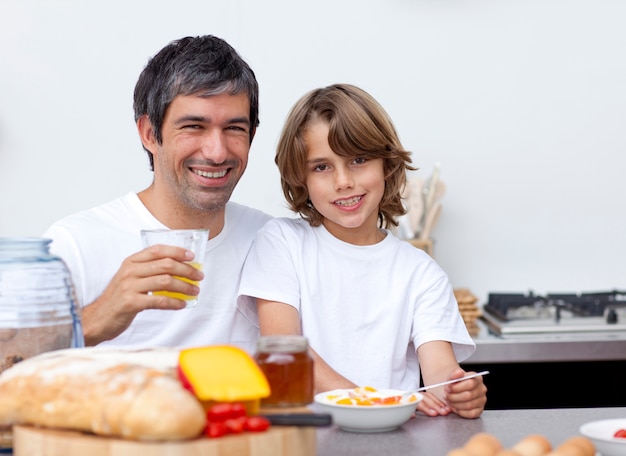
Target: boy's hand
point(431, 405)
point(468, 397)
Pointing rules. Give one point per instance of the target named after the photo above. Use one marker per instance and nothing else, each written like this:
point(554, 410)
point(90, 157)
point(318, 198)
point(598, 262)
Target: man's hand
point(151, 269)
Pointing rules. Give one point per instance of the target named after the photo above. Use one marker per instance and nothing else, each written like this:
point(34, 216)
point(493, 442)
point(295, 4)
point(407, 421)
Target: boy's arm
point(279, 318)
point(438, 364)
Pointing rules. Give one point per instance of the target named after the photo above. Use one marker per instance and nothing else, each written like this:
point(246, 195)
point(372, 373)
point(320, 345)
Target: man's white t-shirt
point(364, 309)
point(94, 243)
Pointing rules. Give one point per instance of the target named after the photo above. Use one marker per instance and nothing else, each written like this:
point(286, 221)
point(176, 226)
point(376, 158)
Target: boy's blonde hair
point(358, 126)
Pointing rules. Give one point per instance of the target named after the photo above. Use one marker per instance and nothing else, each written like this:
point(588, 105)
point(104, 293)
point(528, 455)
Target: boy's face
point(204, 152)
point(346, 191)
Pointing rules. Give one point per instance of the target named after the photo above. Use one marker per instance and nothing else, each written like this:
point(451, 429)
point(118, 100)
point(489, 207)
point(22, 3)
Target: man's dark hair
point(203, 66)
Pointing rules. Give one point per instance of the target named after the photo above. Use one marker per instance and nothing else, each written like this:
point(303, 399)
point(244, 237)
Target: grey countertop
point(426, 436)
point(609, 346)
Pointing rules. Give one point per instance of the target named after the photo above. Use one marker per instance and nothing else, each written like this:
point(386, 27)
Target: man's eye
point(238, 128)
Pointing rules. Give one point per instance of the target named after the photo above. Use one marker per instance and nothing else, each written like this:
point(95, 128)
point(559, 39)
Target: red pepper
point(236, 425)
point(620, 433)
point(214, 430)
point(256, 424)
point(224, 411)
point(238, 410)
point(230, 418)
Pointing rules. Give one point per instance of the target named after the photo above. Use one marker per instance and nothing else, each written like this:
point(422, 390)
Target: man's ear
point(146, 133)
point(252, 133)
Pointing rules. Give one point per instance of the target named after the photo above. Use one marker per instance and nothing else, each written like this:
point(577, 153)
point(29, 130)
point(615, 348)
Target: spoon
point(456, 380)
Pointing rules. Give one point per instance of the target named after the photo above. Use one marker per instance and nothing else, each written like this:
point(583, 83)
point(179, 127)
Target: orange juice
point(182, 296)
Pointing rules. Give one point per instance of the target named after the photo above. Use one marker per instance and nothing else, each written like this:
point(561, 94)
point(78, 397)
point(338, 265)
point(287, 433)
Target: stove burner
point(556, 312)
point(512, 306)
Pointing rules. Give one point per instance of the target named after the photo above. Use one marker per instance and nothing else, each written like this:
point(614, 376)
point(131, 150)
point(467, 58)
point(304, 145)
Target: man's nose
point(215, 147)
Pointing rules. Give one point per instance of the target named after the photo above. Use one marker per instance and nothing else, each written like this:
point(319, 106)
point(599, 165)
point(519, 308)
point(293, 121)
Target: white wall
point(523, 102)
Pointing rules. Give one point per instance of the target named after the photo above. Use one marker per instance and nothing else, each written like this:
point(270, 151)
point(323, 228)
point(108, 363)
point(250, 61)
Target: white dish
point(367, 418)
point(601, 434)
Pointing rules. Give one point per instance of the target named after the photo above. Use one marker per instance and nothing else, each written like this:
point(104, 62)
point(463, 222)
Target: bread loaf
point(111, 392)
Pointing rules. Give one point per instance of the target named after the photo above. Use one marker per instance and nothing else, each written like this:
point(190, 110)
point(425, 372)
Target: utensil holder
point(424, 244)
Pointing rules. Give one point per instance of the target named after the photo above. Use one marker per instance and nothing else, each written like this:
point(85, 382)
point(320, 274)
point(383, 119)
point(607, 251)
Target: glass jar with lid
point(288, 367)
point(38, 308)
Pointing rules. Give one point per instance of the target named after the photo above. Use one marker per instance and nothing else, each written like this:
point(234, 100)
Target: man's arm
point(128, 292)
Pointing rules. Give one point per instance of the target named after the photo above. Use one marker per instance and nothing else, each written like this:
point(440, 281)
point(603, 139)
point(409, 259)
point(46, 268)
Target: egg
point(583, 443)
point(533, 445)
point(459, 452)
point(569, 449)
point(508, 453)
point(483, 444)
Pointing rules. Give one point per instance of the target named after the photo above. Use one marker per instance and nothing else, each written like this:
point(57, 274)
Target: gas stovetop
point(555, 313)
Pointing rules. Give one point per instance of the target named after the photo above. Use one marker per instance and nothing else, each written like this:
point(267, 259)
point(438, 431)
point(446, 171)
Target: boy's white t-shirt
point(364, 309)
point(94, 243)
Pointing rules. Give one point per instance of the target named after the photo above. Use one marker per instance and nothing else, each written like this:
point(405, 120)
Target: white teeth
point(216, 175)
point(348, 202)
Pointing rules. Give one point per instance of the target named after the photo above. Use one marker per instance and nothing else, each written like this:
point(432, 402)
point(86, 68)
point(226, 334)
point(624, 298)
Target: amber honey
point(288, 367)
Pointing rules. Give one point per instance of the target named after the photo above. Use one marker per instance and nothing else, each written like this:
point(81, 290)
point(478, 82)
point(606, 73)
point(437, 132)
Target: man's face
point(204, 152)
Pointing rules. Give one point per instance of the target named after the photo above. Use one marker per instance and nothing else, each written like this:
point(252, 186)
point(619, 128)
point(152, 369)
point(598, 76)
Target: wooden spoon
point(431, 220)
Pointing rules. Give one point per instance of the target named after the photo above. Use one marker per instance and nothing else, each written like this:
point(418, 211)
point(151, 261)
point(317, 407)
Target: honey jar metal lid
point(282, 344)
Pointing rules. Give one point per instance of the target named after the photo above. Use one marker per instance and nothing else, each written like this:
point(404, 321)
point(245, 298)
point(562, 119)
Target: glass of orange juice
point(194, 240)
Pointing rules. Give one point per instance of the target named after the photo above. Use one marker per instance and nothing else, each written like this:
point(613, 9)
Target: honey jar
point(288, 367)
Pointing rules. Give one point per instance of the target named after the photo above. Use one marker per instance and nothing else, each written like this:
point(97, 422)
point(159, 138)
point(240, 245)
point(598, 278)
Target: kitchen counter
point(436, 436)
point(551, 362)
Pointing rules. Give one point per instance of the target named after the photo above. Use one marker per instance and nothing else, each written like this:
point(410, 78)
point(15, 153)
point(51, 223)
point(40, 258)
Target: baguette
point(130, 394)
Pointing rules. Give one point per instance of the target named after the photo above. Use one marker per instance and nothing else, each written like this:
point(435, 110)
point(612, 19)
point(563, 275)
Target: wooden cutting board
point(276, 441)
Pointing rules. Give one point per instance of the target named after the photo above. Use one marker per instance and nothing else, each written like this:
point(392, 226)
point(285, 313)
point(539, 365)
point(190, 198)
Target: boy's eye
point(360, 160)
point(320, 168)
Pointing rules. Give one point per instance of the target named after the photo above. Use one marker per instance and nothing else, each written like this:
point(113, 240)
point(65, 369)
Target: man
point(196, 110)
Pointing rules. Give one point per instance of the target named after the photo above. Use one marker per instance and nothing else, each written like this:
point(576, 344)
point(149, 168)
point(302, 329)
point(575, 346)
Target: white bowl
point(601, 434)
point(367, 418)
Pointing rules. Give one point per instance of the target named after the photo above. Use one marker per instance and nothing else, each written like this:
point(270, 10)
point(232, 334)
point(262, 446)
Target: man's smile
point(210, 175)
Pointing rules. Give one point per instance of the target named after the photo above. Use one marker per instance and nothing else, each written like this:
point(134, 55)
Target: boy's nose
point(343, 179)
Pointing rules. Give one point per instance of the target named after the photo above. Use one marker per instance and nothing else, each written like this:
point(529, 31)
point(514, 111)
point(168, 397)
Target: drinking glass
point(194, 240)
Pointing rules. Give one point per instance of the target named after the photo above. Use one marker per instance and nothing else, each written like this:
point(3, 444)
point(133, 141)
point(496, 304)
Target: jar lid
point(282, 343)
